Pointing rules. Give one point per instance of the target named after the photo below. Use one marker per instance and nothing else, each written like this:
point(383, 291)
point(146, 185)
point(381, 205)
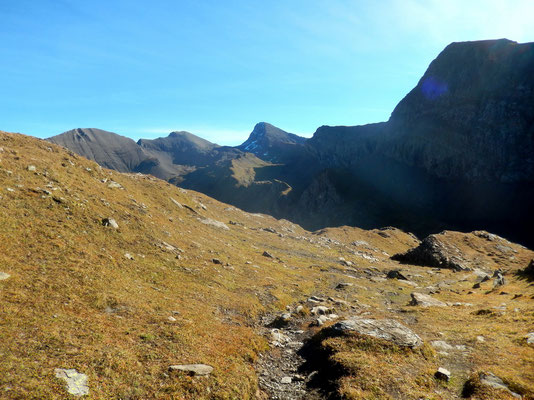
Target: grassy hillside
point(184, 279)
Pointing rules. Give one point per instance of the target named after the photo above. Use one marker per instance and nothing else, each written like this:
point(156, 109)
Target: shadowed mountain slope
point(457, 153)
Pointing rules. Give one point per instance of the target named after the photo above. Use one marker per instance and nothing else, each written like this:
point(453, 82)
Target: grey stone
point(386, 329)
point(193, 369)
point(395, 274)
point(110, 222)
point(76, 382)
point(424, 300)
point(443, 374)
point(214, 223)
point(267, 254)
point(4, 275)
point(321, 310)
point(495, 382)
point(441, 345)
point(114, 185)
point(530, 338)
point(177, 203)
point(32, 168)
point(286, 380)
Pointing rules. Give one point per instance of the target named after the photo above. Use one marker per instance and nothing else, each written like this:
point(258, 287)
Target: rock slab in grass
point(424, 300)
point(495, 382)
point(214, 223)
point(4, 275)
point(387, 329)
point(76, 382)
point(193, 369)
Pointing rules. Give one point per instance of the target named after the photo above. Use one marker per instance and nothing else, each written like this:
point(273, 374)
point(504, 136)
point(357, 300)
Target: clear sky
point(216, 68)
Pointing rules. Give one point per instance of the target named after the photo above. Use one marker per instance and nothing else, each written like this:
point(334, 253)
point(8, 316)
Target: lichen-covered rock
point(76, 382)
point(387, 329)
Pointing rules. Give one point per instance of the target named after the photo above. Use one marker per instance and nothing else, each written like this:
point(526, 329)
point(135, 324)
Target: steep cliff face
point(471, 115)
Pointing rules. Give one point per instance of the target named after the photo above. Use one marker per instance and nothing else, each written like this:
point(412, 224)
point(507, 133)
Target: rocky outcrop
point(386, 329)
point(433, 252)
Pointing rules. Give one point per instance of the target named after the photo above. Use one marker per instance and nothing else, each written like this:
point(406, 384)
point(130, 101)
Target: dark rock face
point(470, 117)
point(433, 252)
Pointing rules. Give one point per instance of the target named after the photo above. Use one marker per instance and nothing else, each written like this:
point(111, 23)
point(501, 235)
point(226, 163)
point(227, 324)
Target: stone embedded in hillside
point(343, 285)
point(214, 223)
point(396, 274)
point(4, 275)
point(321, 310)
point(443, 374)
point(176, 203)
point(441, 345)
point(32, 168)
point(530, 338)
point(110, 222)
point(424, 300)
point(434, 252)
point(499, 280)
point(387, 329)
point(193, 369)
point(267, 254)
point(286, 380)
point(114, 185)
point(76, 382)
point(488, 380)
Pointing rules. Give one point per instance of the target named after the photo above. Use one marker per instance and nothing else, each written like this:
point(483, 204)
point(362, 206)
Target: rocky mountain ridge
point(457, 153)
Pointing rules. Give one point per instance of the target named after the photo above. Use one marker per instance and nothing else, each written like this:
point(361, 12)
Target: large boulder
point(387, 329)
point(434, 252)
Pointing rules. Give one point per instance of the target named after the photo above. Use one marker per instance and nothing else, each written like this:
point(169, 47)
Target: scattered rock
point(481, 339)
point(214, 223)
point(176, 203)
point(443, 374)
point(286, 380)
point(386, 329)
point(488, 380)
point(320, 310)
point(499, 280)
point(32, 168)
point(216, 261)
point(316, 299)
point(193, 369)
point(114, 185)
point(441, 345)
point(424, 300)
point(76, 382)
point(110, 222)
point(343, 285)
point(4, 276)
point(396, 274)
point(530, 338)
point(267, 254)
point(128, 256)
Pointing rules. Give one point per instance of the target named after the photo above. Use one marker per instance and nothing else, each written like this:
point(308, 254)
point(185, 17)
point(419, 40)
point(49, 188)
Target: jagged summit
point(267, 141)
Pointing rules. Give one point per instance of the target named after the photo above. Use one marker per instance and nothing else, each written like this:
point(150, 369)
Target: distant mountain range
point(456, 153)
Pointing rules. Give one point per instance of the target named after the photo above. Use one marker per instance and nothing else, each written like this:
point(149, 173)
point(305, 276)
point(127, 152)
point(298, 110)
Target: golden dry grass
point(74, 300)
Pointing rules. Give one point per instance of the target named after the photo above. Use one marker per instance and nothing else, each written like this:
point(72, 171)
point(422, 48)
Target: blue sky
point(215, 68)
